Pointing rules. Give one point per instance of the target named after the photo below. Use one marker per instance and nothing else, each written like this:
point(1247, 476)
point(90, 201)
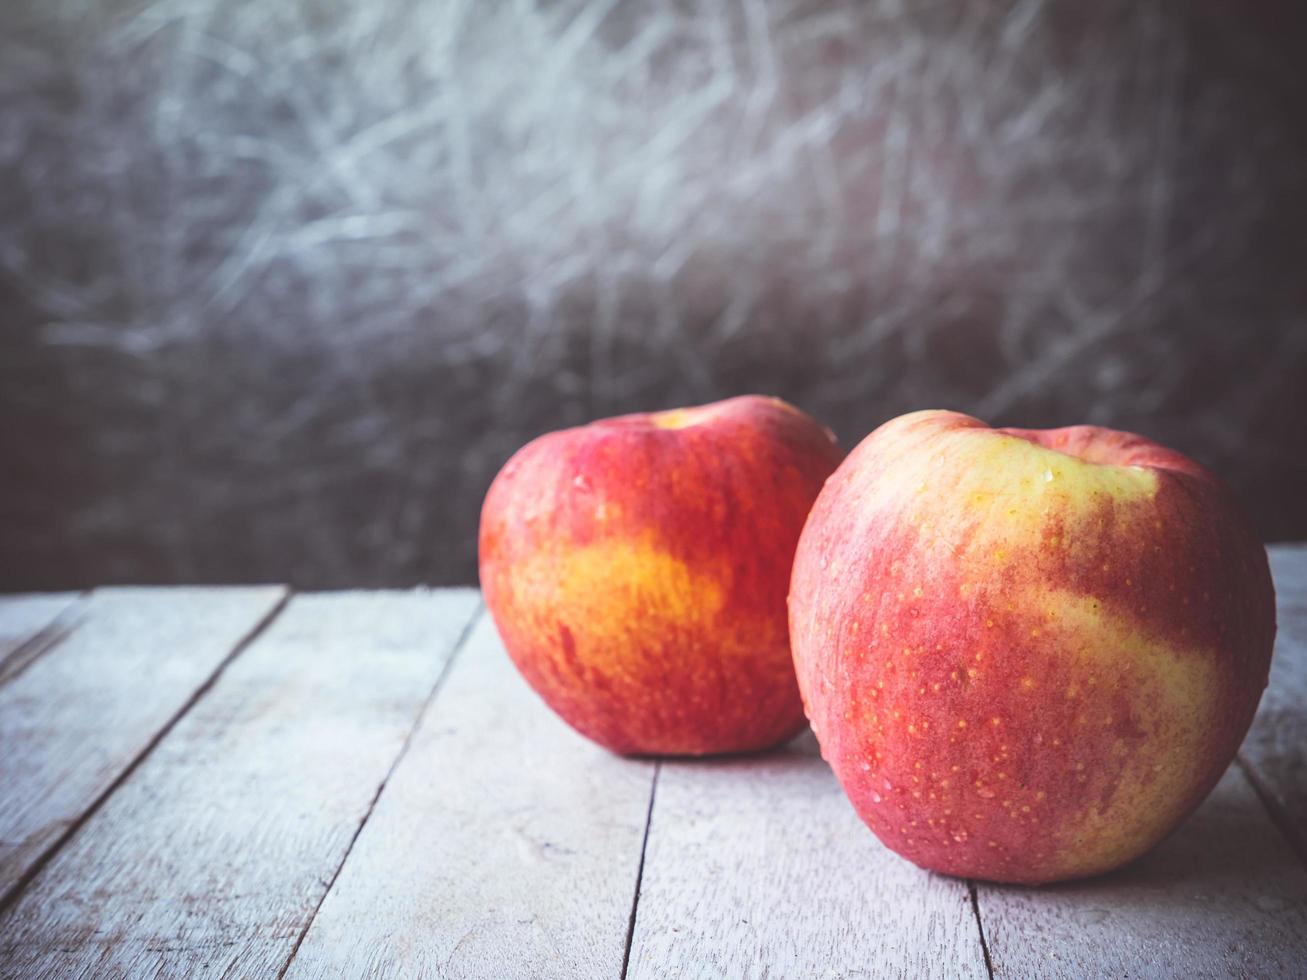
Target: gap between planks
point(1279, 817)
point(11, 894)
point(1274, 754)
point(31, 646)
point(505, 845)
point(639, 873)
point(757, 867)
point(980, 927)
point(459, 644)
point(273, 762)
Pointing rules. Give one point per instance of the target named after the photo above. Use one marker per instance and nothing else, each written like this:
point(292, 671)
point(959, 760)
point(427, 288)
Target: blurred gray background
point(283, 284)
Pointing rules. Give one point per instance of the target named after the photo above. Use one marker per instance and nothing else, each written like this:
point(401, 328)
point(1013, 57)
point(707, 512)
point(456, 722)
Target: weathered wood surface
point(1222, 897)
point(758, 867)
point(76, 718)
point(1275, 752)
point(213, 856)
point(317, 793)
point(505, 845)
point(30, 625)
point(25, 615)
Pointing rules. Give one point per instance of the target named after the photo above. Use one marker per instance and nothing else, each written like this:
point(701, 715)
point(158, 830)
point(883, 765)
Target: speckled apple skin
point(637, 571)
point(1027, 655)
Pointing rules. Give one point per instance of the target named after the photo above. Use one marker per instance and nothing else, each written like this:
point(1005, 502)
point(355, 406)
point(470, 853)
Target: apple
point(1027, 655)
point(637, 568)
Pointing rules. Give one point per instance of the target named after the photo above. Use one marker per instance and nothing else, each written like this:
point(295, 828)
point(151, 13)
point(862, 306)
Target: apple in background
point(1027, 655)
point(637, 569)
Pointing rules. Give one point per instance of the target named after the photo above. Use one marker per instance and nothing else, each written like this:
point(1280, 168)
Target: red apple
point(1027, 655)
point(637, 568)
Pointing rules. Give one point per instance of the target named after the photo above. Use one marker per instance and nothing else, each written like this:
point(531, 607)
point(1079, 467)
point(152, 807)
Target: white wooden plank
point(23, 615)
point(29, 624)
point(1223, 897)
point(76, 718)
point(505, 845)
point(213, 855)
point(1275, 751)
point(758, 867)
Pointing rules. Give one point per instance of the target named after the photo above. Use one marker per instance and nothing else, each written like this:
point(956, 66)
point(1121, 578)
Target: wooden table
point(241, 782)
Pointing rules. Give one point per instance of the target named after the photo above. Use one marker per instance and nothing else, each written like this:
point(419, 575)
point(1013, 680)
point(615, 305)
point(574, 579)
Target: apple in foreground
point(637, 569)
point(1027, 655)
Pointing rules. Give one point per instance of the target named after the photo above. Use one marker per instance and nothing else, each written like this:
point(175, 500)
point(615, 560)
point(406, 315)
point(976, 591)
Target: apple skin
point(1027, 655)
point(637, 570)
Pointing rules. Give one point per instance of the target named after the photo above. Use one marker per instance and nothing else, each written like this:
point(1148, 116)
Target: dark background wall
point(283, 284)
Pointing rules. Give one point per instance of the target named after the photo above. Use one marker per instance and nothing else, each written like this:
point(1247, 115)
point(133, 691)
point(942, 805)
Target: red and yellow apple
point(1027, 655)
point(637, 569)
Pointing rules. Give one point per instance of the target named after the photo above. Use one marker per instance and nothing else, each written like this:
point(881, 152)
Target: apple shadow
point(1227, 850)
point(802, 743)
point(800, 750)
point(1224, 894)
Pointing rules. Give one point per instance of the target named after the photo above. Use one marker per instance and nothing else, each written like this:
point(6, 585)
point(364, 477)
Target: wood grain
point(1275, 752)
point(1223, 897)
point(505, 845)
point(212, 857)
point(77, 718)
point(758, 867)
point(31, 624)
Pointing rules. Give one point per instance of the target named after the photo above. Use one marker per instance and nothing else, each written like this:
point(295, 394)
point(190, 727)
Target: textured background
point(283, 284)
